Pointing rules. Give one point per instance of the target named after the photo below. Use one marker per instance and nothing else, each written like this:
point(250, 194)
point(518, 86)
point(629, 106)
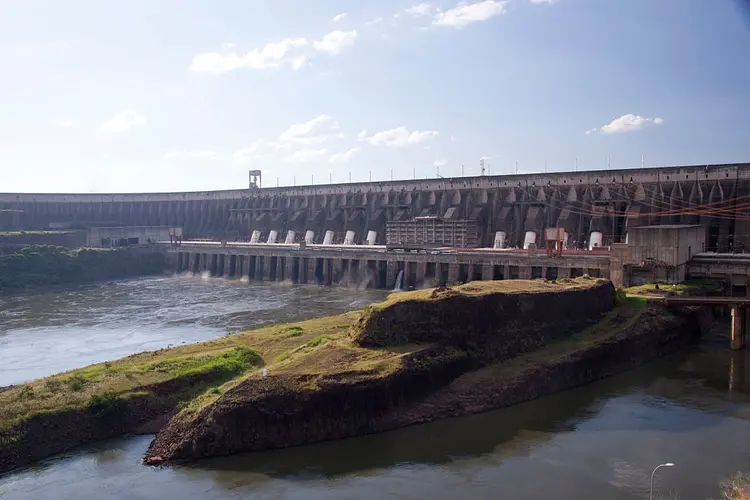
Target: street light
point(651, 491)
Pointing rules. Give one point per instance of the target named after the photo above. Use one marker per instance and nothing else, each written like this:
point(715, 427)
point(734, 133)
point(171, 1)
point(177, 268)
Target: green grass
point(688, 287)
point(319, 340)
point(104, 385)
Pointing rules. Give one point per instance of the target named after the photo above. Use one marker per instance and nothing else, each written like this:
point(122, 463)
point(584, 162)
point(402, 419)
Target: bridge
point(739, 306)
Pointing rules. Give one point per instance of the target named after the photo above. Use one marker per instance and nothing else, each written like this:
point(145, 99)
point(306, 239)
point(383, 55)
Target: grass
point(99, 386)
point(688, 287)
point(478, 288)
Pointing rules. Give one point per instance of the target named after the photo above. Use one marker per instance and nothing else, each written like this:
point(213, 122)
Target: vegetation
point(40, 265)
point(688, 287)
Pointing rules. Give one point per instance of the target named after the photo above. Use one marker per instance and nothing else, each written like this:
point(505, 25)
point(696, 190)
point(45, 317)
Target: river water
point(599, 441)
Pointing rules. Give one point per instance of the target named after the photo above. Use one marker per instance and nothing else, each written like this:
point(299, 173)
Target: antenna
point(481, 166)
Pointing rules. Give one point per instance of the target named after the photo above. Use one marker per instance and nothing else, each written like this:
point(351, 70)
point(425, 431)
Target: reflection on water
point(600, 441)
point(47, 333)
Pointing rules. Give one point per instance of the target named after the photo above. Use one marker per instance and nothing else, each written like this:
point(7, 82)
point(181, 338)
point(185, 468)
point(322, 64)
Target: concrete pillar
point(288, 265)
point(327, 269)
point(421, 272)
point(227, 265)
point(302, 270)
point(524, 272)
point(738, 328)
point(260, 263)
point(439, 278)
point(563, 272)
point(203, 262)
point(487, 274)
point(506, 272)
point(452, 274)
point(267, 264)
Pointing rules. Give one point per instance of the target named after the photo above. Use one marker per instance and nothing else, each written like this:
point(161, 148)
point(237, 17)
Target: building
point(657, 253)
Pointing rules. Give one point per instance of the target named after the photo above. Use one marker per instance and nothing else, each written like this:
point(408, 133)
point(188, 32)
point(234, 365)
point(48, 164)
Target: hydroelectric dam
point(488, 227)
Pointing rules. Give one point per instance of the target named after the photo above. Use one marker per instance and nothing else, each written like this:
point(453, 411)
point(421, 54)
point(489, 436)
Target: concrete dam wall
point(595, 208)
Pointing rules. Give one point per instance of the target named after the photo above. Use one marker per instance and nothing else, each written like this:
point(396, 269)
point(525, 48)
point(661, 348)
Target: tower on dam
point(593, 208)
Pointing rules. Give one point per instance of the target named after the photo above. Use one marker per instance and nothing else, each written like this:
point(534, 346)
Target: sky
point(168, 95)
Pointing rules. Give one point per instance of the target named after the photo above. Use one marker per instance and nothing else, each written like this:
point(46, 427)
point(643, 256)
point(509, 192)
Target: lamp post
point(651, 490)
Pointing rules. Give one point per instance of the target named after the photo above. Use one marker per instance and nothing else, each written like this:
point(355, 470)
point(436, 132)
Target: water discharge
point(598, 441)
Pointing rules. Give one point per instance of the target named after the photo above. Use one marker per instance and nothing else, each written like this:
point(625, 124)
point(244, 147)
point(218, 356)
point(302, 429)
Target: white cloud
point(398, 137)
point(377, 20)
point(420, 10)
point(202, 154)
point(306, 155)
point(338, 17)
point(550, 2)
point(65, 124)
point(293, 52)
point(124, 121)
point(271, 55)
point(441, 162)
point(315, 131)
point(464, 14)
point(344, 157)
point(335, 41)
point(257, 151)
point(626, 123)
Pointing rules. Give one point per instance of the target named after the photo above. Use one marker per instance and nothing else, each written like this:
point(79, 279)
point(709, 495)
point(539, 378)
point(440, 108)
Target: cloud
point(293, 52)
point(377, 20)
point(420, 10)
point(335, 41)
point(65, 124)
point(306, 155)
point(344, 157)
point(315, 131)
point(626, 123)
point(180, 155)
point(256, 151)
point(398, 137)
point(441, 162)
point(549, 2)
point(271, 55)
point(338, 17)
point(124, 121)
point(464, 14)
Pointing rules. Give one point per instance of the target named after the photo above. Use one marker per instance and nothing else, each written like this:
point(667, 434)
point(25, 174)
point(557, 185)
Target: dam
point(595, 208)
point(631, 226)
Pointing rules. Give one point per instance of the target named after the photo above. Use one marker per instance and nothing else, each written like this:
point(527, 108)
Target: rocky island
point(416, 357)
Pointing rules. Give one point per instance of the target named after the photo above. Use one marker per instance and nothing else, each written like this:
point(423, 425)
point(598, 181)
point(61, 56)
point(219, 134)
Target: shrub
point(320, 339)
point(75, 382)
point(107, 403)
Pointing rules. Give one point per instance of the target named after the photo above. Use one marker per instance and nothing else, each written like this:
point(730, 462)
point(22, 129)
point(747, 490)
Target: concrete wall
point(144, 234)
point(670, 245)
point(607, 202)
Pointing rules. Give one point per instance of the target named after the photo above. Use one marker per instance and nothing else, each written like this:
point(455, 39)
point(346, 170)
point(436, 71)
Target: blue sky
point(105, 96)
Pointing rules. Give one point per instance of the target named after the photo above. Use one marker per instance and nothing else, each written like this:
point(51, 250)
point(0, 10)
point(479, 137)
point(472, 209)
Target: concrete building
point(108, 237)
point(595, 208)
point(659, 253)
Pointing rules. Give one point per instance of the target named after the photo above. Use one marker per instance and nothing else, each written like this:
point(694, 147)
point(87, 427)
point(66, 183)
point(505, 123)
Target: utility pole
point(294, 180)
point(643, 160)
point(516, 167)
point(438, 170)
point(415, 173)
point(312, 179)
point(277, 182)
point(462, 170)
point(370, 175)
point(609, 163)
point(350, 177)
point(391, 174)
point(545, 165)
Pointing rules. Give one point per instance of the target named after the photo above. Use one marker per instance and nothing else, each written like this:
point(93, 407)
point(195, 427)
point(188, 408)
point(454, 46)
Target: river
point(598, 441)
